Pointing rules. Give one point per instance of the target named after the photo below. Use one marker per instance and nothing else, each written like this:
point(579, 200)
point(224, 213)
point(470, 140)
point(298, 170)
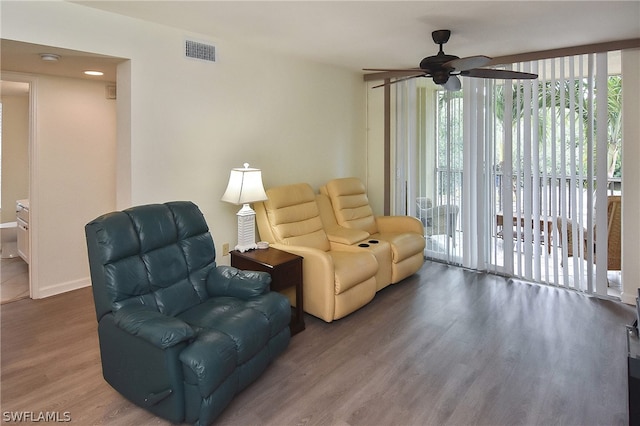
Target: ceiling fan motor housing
point(440, 76)
point(432, 65)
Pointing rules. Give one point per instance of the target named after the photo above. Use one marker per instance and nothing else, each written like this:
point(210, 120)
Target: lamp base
point(246, 229)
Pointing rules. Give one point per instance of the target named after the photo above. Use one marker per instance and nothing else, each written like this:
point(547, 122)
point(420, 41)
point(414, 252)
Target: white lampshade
point(245, 186)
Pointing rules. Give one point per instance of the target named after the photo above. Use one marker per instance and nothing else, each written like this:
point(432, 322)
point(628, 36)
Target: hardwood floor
point(444, 347)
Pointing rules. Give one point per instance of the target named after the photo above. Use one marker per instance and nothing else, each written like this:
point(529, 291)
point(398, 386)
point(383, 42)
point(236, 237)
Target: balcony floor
point(573, 276)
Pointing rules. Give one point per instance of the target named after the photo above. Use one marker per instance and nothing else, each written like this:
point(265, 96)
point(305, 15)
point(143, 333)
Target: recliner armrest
point(156, 328)
point(233, 282)
point(399, 224)
point(318, 270)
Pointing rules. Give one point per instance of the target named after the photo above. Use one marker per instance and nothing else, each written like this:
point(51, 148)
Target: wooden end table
point(286, 271)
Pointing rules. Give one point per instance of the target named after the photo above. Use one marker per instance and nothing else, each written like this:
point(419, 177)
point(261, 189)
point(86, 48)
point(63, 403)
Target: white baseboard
point(63, 288)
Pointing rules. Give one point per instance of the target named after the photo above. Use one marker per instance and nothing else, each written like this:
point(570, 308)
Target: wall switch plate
point(225, 249)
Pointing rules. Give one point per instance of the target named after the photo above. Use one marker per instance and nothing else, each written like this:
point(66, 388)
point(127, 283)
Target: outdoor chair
point(614, 235)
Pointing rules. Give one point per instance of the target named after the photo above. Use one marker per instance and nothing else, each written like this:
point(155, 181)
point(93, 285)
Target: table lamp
point(245, 186)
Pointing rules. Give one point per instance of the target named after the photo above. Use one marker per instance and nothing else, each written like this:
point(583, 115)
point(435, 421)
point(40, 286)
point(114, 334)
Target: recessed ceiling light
point(49, 57)
point(94, 73)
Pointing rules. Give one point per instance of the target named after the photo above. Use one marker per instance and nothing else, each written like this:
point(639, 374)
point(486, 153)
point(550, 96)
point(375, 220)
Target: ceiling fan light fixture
point(453, 84)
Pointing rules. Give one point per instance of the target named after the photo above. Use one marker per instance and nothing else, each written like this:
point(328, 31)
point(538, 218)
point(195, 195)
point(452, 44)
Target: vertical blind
point(432, 164)
point(548, 160)
point(536, 172)
point(405, 152)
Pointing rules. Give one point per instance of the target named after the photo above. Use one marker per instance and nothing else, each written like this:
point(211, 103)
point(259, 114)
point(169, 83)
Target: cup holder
point(374, 241)
point(363, 245)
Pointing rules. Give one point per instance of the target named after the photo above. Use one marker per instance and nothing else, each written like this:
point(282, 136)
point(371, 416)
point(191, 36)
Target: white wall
point(74, 167)
point(190, 122)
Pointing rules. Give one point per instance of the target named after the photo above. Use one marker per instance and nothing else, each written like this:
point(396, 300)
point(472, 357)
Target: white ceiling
point(359, 34)
point(370, 34)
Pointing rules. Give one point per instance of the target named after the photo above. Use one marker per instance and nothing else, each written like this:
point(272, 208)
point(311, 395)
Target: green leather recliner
point(179, 335)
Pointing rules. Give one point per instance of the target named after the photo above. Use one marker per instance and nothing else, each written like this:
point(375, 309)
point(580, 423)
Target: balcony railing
point(556, 195)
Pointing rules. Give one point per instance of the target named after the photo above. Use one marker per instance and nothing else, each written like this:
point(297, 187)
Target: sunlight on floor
point(442, 247)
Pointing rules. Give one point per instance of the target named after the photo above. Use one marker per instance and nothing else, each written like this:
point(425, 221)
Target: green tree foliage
point(570, 102)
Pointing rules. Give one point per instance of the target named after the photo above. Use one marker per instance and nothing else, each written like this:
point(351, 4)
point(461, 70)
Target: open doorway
point(72, 156)
point(14, 190)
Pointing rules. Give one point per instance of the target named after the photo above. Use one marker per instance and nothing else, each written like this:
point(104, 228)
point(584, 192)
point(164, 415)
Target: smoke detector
point(49, 57)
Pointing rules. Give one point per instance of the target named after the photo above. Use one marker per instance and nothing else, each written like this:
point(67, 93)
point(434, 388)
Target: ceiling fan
point(444, 69)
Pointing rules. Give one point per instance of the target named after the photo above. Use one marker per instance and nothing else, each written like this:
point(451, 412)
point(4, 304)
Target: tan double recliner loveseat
point(349, 254)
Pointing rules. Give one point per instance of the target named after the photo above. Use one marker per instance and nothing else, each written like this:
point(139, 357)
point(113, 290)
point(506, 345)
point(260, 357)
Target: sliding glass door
point(539, 198)
point(429, 164)
point(552, 157)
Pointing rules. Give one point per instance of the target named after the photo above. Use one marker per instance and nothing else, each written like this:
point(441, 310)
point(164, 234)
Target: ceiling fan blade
point(391, 73)
point(453, 84)
point(462, 64)
point(408, 70)
point(500, 74)
point(397, 81)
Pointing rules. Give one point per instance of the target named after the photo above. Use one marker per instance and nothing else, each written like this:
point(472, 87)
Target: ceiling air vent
point(196, 50)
